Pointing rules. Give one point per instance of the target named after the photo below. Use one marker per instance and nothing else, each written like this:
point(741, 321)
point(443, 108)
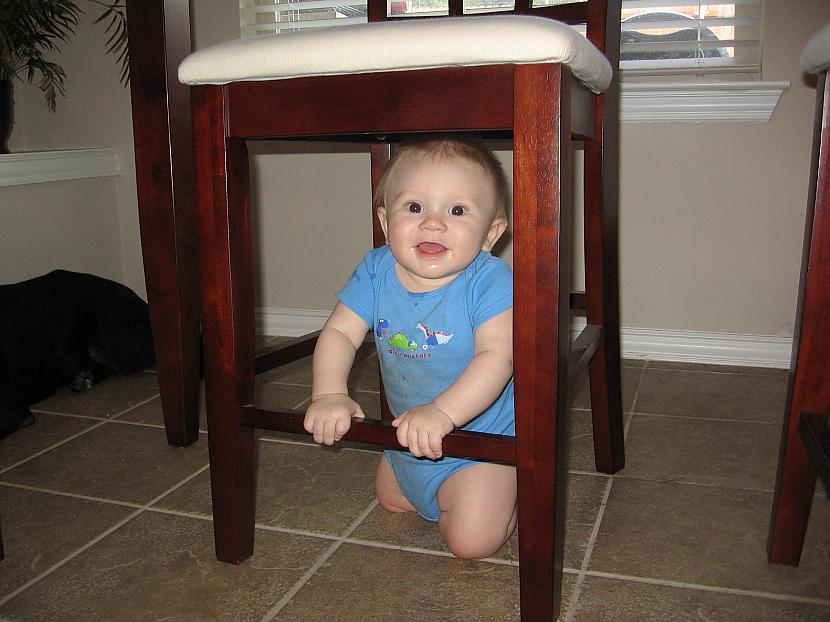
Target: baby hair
point(471, 149)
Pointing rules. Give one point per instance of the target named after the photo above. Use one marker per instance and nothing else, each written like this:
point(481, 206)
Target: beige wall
point(711, 214)
point(85, 225)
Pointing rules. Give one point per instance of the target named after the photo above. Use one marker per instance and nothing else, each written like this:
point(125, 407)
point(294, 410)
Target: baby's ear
point(497, 228)
point(381, 212)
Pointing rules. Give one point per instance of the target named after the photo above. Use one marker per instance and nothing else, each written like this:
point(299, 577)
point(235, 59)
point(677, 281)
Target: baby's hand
point(421, 430)
point(329, 417)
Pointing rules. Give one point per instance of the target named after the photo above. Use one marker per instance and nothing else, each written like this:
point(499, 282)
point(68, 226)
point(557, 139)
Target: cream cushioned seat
point(816, 54)
point(400, 45)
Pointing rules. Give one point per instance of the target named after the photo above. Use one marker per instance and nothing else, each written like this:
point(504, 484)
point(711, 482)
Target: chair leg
point(164, 179)
point(541, 263)
point(380, 154)
point(228, 323)
point(808, 389)
point(602, 285)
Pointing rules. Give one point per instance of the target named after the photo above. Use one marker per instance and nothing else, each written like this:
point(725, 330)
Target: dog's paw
point(82, 381)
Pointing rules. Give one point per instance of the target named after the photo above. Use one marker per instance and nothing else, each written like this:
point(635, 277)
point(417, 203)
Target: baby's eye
point(414, 207)
point(457, 210)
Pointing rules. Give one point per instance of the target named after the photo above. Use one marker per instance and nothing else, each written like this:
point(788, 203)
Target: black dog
point(66, 328)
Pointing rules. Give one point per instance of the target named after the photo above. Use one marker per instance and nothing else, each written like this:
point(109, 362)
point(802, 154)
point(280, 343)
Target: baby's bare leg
point(387, 489)
point(478, 509)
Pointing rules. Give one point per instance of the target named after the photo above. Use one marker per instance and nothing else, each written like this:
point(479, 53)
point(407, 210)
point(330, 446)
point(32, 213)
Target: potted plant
point(32, 29)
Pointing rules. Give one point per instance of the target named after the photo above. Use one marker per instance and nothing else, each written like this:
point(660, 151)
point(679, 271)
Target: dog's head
point(117, 324)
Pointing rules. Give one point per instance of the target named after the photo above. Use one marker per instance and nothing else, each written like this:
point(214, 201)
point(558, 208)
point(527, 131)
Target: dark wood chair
point(546, 112)
point(805, 441)
point(159, 40)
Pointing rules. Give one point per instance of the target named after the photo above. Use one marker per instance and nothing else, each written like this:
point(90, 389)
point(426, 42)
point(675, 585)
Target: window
point(657, 35)
point(268, 17)
point(683, 36)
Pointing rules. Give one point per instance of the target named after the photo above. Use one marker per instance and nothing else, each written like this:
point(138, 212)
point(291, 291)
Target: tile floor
point(103, 521)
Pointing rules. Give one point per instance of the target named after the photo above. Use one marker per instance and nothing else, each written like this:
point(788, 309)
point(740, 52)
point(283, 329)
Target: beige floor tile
point(162, 567)
point(712, 395)
point(377, 585)
point(277, 396)
point(298, 487)
point(115, 461)
point(720, 369)
point(106, 399)
point(604, 599)
point(40, 529)
point(630, 380)
point(705, 535)
point(298, 372)
point(151, 413)
point(585, 494)
point(721, 453)
point(42, 434)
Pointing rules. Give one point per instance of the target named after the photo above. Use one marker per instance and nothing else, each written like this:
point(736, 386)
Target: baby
point(441, 307)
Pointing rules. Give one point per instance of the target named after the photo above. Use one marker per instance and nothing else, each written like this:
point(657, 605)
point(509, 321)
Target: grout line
point(101, 421)
point(589, 473)
point(322, 559)
point(589, 550)
point(176, 486)
point(55, 413)
point(667, 480)
point(807, 600)
point(288, 384)
point(655, 365)
point(51, 447)
point(71, 495)
point(96, 539)
point(776, 424)
point(595, 531)
point(348, 540)
point(636, 397)
point(303, 402)
point(69, 557)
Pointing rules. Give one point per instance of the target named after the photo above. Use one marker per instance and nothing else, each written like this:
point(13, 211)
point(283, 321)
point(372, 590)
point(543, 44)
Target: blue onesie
point(424, 342)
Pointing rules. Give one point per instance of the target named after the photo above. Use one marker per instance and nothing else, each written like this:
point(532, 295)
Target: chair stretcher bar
point(493, 447)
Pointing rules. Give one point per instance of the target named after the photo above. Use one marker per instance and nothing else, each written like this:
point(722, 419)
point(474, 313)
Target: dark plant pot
point(6, 114)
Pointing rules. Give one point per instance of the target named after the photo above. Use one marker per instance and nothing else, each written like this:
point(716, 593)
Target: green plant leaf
point(31, 29)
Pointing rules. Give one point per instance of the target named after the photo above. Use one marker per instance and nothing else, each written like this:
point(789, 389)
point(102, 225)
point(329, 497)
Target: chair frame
point(805, 440)
point(533, 103)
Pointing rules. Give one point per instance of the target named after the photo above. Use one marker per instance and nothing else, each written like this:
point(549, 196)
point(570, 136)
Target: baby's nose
point(433, 222)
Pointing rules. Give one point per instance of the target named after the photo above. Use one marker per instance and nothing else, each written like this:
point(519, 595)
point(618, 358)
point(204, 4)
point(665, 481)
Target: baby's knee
point(469, 546)
point(474, 542)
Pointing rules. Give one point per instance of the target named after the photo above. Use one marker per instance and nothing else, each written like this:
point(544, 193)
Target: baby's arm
point(482, 381)
point(330, 414)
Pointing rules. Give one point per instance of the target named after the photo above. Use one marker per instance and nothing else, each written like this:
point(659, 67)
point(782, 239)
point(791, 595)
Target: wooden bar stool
point(805, 441)
point(534, 79)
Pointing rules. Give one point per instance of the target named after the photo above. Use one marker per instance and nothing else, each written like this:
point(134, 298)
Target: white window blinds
point(691, 36)
point(657, 35)
point(268, 17)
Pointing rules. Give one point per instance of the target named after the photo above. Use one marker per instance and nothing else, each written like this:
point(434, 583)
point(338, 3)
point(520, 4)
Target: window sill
point(35, 167)
point(656, 102)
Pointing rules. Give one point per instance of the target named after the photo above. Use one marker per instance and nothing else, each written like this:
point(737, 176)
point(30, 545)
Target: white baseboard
point(637, 343)
point(289, 322)
point(702, 347)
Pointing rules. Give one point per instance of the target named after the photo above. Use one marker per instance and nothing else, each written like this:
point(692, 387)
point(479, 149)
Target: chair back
point(602, 18)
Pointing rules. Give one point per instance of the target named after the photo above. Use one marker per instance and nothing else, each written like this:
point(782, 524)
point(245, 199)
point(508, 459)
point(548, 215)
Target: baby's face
point(439, 215)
